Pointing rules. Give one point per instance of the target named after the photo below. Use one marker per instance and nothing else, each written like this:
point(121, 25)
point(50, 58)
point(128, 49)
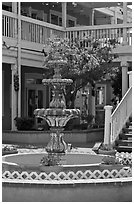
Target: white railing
point(121, 115)
point(31, 30)
point(9, 24)
point(38, 31)
point(101, 32)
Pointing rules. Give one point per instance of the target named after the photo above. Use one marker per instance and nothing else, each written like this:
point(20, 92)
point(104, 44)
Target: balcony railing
point(38, 32)
point(101, 32)
point(9, 24)
point(31, 30)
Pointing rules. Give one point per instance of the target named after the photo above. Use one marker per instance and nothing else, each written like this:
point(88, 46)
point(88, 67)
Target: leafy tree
point(116, 77)
point(84, 64)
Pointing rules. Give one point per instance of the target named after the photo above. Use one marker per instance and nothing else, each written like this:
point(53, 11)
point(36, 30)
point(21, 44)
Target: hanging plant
point(16, 82)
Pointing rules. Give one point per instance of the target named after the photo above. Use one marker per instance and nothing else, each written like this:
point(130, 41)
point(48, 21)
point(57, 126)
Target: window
point(100, 95)
point(54, 19)
point(71, 23)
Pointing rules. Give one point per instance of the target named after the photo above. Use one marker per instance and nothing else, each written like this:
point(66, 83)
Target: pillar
point(107, 133)
point(93, 16)
point(124, 66)
point(64, 14)
point(14, 7)
point(114, 17)
point(19, 59)
point(130, 78)
point(13, 98)
point(93, 106)
point(124, 22)
point(14, 10)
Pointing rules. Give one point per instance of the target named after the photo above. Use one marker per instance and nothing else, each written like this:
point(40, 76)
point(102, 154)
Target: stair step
point(128, 135)
point(122, 148)
point(125, 137)
point(125, 141)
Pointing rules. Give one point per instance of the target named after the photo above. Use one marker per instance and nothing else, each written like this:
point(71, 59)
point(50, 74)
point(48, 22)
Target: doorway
point(35, 94)
point(35, 99)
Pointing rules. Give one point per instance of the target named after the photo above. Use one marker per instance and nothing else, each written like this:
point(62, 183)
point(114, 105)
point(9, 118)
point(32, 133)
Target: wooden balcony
point(119, 32)
point(35, 31)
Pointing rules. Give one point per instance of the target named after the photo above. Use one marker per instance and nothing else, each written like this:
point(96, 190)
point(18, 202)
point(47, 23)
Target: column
point(19, 59)
point(124, 66)
point(130, 78)
point(108, 112)
point(14, 7)
point(14, 10)
point(64, 14)
point(13, 98)
point(124, 22)
point(93, 16)
point(114, 17)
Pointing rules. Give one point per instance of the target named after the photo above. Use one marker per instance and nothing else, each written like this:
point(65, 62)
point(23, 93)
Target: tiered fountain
point(57, 115)
point(41, 174)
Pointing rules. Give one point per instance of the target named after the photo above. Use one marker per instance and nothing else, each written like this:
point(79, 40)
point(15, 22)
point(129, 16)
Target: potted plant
point(9, 149)
point(107, 149)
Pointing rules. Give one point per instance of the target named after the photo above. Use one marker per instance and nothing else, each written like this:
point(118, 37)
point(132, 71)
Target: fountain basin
point(69, 161)
point(82, 179)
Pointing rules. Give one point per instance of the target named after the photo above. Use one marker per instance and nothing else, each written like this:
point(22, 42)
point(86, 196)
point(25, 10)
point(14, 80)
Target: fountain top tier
point(57, 63)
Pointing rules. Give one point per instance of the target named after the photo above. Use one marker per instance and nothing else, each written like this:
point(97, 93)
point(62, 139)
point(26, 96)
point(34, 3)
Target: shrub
point(24, 123)
point(73, 124)
point(43, 125)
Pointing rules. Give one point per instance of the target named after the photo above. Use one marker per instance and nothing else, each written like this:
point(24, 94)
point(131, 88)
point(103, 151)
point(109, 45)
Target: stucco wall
point(77, 192)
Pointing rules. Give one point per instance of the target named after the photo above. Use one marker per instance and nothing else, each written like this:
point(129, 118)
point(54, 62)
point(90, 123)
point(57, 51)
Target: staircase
point(124, 141)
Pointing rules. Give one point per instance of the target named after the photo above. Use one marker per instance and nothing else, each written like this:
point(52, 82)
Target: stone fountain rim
point(63, 165)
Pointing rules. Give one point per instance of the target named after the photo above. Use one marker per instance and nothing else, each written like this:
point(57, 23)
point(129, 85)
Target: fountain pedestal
point(56, 143)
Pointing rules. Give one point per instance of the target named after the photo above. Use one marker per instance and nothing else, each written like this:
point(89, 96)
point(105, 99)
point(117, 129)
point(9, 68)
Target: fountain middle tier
point(57, 117)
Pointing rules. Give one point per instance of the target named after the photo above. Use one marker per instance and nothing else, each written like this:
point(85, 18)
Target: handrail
point(31, 20)
point(99, 27)
point(121, 115)
point(10, 14)
point(42, 23)
point(38, 31)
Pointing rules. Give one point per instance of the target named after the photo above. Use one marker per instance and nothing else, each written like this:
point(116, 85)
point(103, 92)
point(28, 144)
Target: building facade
point(25, 28)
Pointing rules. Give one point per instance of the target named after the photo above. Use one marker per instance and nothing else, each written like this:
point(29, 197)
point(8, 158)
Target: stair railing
point(121, 115)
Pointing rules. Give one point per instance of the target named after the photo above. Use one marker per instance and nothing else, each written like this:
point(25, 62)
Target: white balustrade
point(100, 32)
point(121, 115)
point(38, 31)
point(9, 24)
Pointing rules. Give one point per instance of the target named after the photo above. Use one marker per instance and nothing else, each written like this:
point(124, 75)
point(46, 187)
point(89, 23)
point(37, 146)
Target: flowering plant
point(9, 149)
point(50, 160)
point(106, 147)
point(84, 64)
